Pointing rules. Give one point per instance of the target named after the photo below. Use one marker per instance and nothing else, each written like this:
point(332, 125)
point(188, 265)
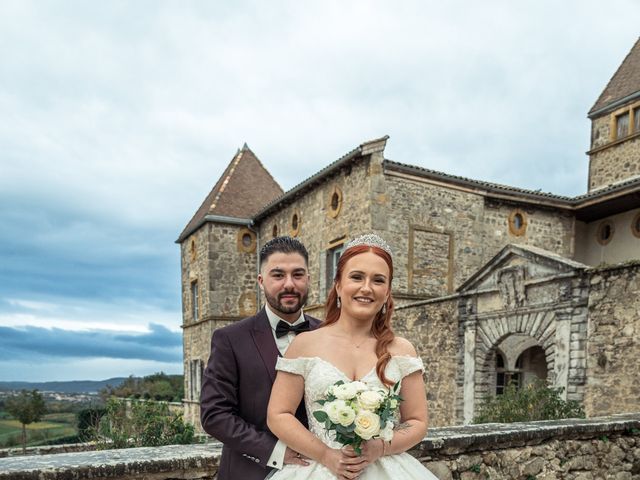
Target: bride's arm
point(413, 408)
point(286, 395)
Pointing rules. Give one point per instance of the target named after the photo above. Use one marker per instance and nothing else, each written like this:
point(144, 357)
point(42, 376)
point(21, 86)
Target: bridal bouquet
point(357, 412)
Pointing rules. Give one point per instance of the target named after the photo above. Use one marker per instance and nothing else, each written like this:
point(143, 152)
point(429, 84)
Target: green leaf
point(320, 415)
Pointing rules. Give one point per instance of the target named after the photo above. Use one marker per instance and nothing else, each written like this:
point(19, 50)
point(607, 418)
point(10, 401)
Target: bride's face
point(364, 286)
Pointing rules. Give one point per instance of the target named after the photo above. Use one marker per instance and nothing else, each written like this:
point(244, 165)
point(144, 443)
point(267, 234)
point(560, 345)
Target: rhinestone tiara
point(370, 240)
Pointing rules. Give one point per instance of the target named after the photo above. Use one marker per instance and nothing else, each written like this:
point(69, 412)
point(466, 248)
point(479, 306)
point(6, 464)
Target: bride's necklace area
point(352, 340)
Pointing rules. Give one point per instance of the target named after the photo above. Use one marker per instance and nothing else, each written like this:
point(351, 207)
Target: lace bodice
point(319, 375)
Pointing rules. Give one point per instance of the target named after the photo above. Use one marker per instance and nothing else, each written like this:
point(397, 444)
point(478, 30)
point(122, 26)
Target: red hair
point(381, 326)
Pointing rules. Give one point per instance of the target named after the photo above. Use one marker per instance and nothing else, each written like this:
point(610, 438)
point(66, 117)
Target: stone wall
point(432, 327)
point(603, 448)
point(613, 349)
point(611, 161)
point(549, 229)
point(429, 227)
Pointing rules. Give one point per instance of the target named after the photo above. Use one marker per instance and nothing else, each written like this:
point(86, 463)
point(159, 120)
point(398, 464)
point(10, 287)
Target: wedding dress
point(318, 375)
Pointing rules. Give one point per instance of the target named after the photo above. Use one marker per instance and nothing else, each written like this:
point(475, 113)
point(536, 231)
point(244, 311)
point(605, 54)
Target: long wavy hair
point(381, 326)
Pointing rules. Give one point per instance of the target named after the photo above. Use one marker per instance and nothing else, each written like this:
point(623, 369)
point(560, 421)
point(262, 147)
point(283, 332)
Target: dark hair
point(381, 326)
point(283, 245)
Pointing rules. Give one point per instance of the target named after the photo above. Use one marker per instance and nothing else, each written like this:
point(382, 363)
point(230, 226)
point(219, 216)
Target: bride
point(355, 343)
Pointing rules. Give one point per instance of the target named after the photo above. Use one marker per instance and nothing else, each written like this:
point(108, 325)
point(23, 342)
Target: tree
point(26, 407)
point(138, 423)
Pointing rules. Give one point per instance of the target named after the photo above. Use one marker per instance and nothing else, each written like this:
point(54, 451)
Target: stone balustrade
point(596, 448)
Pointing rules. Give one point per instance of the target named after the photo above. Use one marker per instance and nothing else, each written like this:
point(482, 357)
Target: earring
point(384, 309)
point(338, 304)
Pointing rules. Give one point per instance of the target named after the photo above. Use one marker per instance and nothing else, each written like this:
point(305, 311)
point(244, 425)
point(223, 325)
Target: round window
point(517, 223)
point(635, 226)
point(605, 232)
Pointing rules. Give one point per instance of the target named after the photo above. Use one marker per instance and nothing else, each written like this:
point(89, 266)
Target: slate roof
point(242, 190)
point(624, 83)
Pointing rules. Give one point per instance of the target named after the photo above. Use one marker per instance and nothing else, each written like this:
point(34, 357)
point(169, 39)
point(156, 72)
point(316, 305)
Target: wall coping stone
point(201, 460)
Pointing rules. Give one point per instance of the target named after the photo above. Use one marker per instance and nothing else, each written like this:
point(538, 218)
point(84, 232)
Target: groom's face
point(284, 279)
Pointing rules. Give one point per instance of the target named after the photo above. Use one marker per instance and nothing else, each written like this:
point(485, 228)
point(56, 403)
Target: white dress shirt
point(276, 460)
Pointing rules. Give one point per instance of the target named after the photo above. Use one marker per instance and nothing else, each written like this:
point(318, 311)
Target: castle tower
point(218, 249)
point(615, 127)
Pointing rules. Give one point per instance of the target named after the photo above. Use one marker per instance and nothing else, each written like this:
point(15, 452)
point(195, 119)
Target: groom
point(241, 369)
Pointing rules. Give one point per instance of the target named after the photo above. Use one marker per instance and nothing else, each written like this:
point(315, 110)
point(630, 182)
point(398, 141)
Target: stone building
point(493, 284)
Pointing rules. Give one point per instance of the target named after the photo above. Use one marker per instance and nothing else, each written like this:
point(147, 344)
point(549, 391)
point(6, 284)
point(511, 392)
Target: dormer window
point(622, 125)
point(625, 121)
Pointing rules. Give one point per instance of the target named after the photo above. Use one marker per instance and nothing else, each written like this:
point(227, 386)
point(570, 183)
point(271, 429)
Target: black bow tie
point(283, 328)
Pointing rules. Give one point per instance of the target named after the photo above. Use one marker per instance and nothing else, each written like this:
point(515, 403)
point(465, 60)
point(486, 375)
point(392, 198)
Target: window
point(635, 226)
point(295, 224)
point(504, 378)
point(625, 121)
point(274, 231)
point(192, 249)
point(246, 241)
point(195, 379)
point(333, 255)
point(195, 300)
point(335, 202)
point(517, 223)
point(605, 232)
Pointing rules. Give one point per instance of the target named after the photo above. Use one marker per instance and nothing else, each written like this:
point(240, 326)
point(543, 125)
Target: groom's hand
point(291, 456)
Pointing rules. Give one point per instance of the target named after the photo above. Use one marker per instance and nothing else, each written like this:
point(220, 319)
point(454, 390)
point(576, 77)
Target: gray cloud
point(160, 344)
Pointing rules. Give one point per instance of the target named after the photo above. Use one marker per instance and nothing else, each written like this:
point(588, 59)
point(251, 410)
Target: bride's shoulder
point(304, 345)
point(401, 347)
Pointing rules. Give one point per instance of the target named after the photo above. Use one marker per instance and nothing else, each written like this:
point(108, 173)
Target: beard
point(276, 303)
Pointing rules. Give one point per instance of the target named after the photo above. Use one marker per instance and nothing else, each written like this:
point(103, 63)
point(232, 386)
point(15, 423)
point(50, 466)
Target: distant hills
point(75, 386)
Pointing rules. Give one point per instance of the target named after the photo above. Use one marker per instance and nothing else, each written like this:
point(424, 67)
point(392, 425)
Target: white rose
point(332, 409)
point(346, 391)
point(386, 433)
point(359, 386)
point(370, 400)
point(346, 415)
point(393, 404)
point(367, 424)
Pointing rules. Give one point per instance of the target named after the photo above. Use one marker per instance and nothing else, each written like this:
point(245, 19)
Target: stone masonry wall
point(613, 348)
point(594, 449)
point(437, 221)
point(216, 260)
point(614, 163)
point(548, 229)
point(432, 327)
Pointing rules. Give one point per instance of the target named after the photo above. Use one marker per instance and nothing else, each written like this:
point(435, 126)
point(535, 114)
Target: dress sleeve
point(407, 365)
point(297, 366)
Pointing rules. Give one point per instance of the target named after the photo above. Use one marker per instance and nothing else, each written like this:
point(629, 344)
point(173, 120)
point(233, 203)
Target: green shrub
point(133, 423)
point(536, 401)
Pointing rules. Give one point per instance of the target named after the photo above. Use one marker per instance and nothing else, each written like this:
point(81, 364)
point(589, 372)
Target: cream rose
point(359, 386)
point(367, 424)
point(370, 400)
point(346, 391)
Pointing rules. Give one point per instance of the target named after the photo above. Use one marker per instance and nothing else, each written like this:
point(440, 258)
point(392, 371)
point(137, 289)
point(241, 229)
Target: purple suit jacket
point(235, 393)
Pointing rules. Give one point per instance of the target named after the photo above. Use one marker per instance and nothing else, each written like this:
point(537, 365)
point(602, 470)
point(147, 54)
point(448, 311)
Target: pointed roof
point(242, 190)
point(623, 85)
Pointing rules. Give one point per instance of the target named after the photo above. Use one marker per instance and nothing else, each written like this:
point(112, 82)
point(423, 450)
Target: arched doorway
point(519, 361)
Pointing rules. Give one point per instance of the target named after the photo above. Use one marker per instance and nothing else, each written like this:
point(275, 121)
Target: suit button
point(257, 460)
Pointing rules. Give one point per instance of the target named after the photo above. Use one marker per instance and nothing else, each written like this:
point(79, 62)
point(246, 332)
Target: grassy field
point(52, 426)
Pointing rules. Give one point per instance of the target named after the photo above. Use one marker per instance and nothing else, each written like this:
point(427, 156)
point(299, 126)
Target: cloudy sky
point(118, 117)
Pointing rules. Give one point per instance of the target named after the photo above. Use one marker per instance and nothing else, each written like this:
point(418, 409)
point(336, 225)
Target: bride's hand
point(343, 465)
point(372, 450)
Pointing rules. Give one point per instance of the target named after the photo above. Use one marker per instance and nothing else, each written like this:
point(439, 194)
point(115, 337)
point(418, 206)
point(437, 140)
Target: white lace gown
point(318, 375)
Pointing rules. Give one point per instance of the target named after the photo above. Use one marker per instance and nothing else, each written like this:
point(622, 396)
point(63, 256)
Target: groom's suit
point(235, 393)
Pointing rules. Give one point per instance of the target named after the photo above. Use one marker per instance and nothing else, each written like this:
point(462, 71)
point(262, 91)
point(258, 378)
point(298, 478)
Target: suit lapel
point(263, 338)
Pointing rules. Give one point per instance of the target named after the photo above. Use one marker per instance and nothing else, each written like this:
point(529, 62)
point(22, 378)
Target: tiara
point(370, 240)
